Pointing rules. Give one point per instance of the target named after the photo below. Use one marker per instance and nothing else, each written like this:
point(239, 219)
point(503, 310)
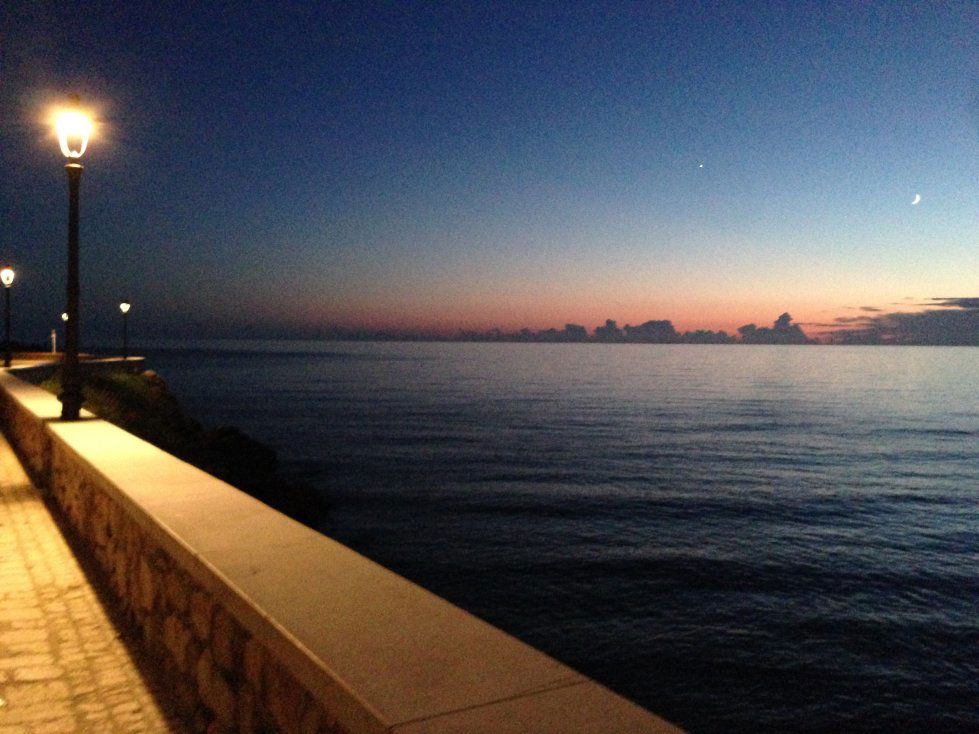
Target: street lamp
point(54, 334)
point(124, 307)
point(74, 128)
point(7, 278)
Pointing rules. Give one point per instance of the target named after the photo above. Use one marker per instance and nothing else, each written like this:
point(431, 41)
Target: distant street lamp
point(7, 278)
point(73, 128)
point(64, 320)
point(124, 307)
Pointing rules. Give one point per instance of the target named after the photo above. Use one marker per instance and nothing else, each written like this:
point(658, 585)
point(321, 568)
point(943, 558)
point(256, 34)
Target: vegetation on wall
point(143, 405)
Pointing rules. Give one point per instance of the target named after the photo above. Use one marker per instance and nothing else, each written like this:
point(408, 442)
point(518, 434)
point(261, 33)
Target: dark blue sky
point(279, 168)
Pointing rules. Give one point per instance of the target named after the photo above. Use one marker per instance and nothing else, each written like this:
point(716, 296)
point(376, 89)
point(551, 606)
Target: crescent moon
point(917, 199)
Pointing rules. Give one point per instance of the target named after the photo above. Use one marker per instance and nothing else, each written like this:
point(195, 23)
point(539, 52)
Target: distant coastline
point(782, 331)
point(943, 322)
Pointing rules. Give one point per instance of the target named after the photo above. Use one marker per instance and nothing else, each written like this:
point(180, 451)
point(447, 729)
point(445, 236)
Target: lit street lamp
point(64, 320)
point(124, 307)
point(73, 128)
point(7, 278)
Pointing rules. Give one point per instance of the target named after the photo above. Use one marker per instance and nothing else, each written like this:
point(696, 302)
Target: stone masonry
point(223, 679)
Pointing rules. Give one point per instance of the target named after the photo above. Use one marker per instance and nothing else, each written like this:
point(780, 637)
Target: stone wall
point(260, 624)
point(222, 678)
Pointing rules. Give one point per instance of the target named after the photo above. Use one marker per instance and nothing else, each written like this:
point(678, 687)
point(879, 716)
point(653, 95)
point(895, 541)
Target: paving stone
point(56, 726)
point(29, 693)
point(16, 712)
point(39, 672)
point(21, 661)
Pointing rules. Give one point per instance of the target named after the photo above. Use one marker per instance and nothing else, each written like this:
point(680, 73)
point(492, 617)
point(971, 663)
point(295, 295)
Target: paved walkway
point(63, 666)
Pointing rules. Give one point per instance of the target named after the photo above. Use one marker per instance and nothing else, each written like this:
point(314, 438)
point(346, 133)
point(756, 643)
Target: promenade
point(64, 665)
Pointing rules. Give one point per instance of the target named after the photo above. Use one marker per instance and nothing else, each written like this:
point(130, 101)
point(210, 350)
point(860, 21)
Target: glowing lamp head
point(64, 317)
point(124, 307)
point(7, 277)
point(74, 128)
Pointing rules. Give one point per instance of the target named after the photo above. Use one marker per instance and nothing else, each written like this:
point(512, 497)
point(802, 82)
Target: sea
point(739, 538)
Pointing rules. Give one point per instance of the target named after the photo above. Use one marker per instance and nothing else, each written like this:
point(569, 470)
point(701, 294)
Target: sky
point(280, 169)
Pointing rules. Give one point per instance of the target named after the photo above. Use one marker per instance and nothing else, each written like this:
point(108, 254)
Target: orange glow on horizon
point(447, 311)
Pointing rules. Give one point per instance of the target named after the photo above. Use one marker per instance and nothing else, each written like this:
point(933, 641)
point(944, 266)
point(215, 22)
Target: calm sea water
point(740, 538)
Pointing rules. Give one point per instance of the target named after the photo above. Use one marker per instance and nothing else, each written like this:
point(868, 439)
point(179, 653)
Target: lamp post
point(7, 278)
point(73, 128)
point(124, 307)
